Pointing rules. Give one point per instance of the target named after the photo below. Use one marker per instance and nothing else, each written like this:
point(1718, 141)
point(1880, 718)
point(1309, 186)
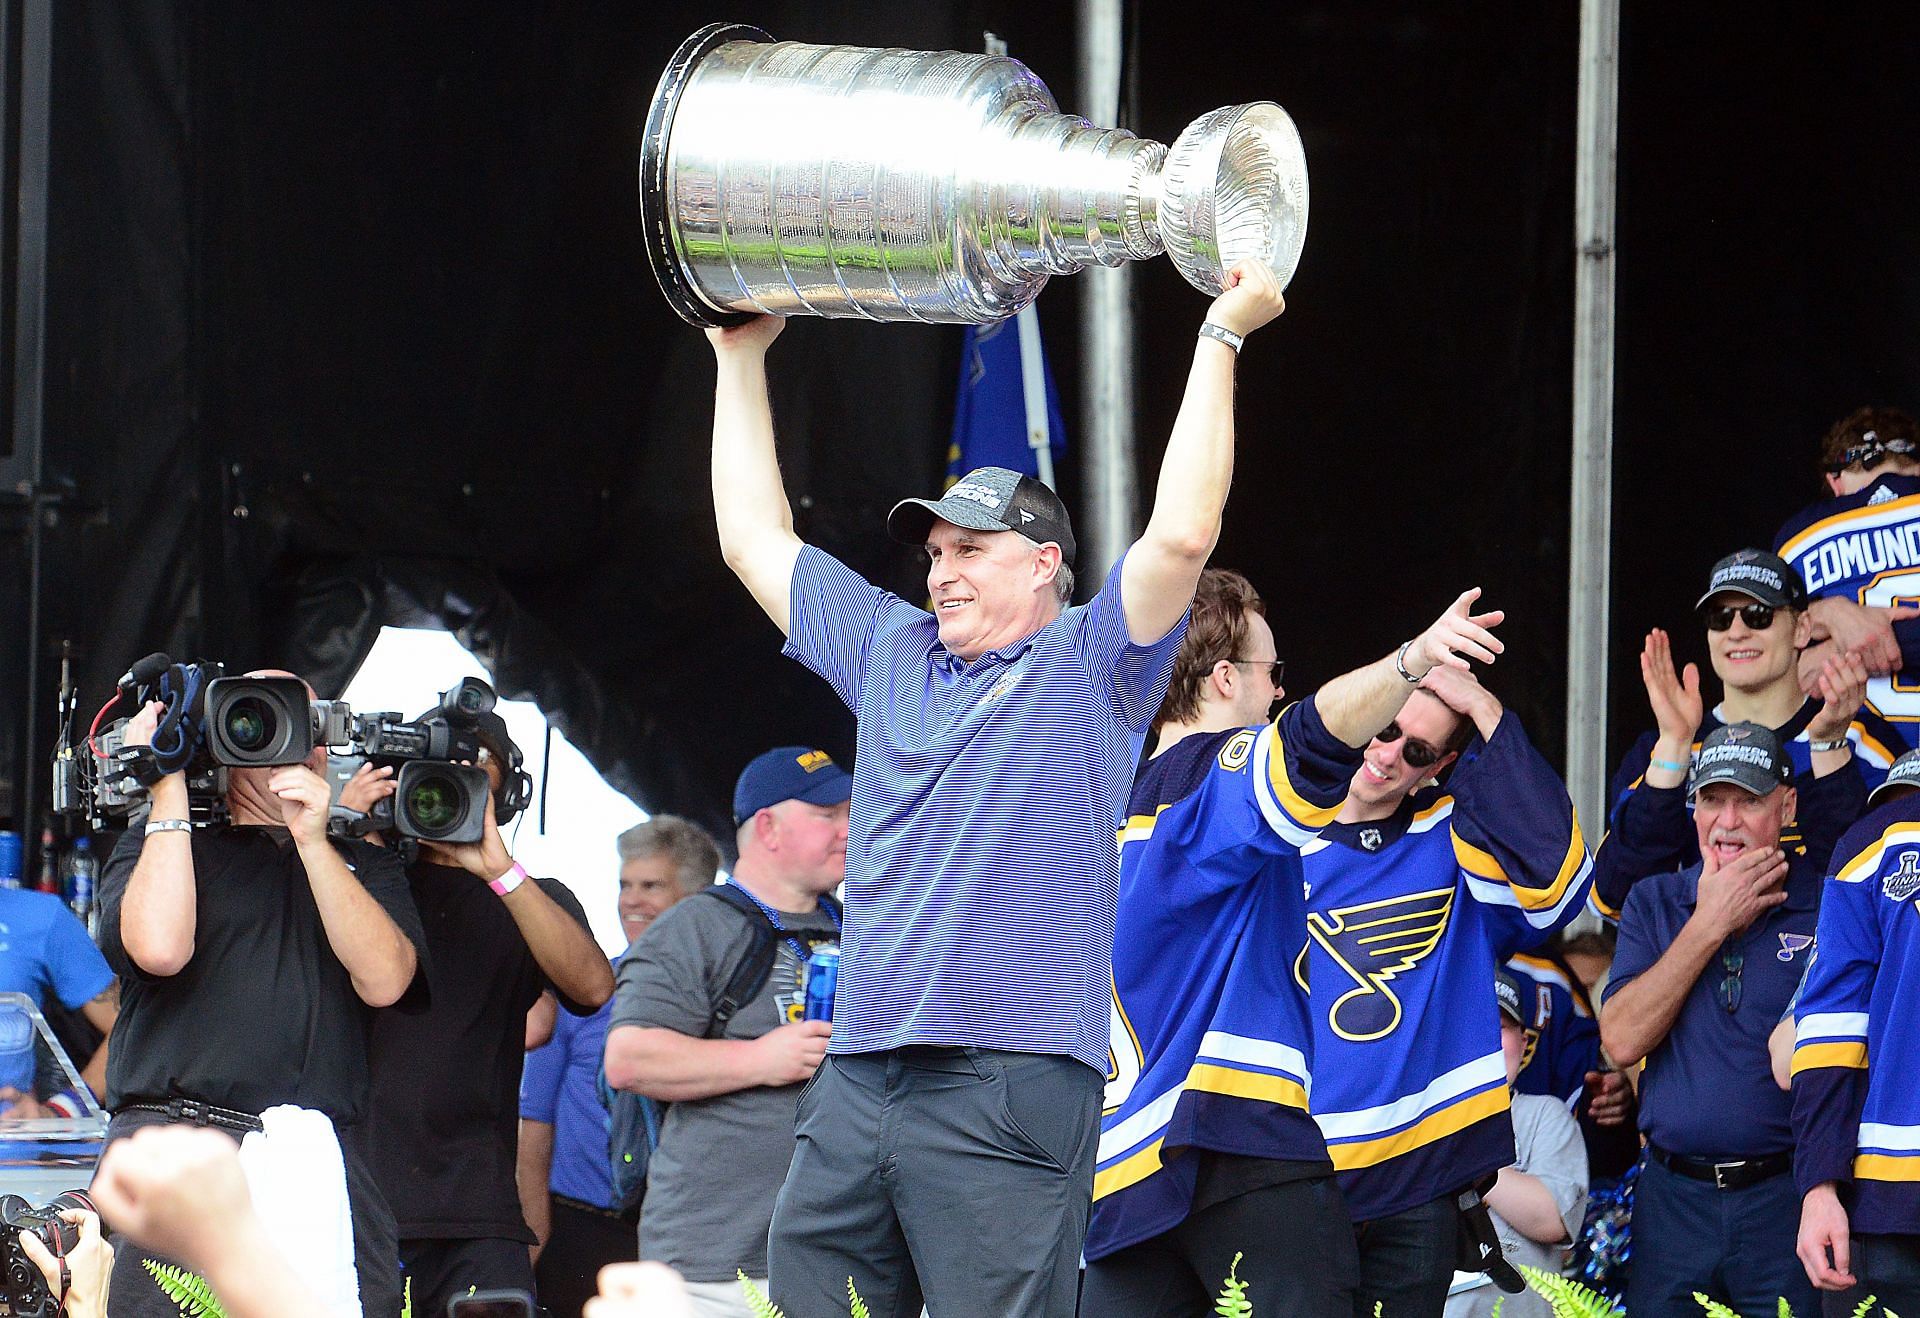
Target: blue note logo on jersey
point(1374, 943)
point(1791, 945)
point(1905, 881)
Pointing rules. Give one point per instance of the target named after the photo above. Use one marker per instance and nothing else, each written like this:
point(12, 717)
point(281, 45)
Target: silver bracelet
point(1209, 330)
point(168, 826)
point(1820, 747)
point(1400, 662)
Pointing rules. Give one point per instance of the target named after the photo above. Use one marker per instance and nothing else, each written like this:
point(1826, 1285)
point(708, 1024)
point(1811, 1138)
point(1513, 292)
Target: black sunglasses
point(1719, 617)
point(1276, 668)
point(1732, 961)
point(1417, 753)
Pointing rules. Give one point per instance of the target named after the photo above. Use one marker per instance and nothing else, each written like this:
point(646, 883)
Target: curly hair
point(1216, 631)
point(696, 856)
point(1850, 431)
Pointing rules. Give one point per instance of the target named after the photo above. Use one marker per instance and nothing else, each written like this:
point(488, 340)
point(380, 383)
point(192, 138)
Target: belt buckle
point(1720, 1170)
point(187, 1109)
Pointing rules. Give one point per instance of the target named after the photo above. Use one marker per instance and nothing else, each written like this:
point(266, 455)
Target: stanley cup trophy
point(932, 186)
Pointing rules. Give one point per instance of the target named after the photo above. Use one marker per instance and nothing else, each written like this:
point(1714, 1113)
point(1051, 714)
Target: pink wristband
point(507, 882)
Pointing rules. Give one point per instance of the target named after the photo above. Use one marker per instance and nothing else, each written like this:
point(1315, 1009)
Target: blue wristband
point(1668, 765)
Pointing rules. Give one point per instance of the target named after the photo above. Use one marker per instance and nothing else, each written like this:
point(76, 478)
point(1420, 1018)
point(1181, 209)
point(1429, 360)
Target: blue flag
point(998, 409)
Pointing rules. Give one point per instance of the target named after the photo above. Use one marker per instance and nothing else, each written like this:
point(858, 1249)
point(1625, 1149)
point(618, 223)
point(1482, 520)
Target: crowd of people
point(1327, 1019)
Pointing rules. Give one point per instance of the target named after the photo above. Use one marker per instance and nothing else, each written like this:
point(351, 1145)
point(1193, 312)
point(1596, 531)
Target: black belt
point(1735, 1175)
point(631, 1216)
point(199, 1114)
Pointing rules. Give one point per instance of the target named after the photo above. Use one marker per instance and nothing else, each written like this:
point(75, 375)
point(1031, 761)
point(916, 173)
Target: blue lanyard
point(773, 917)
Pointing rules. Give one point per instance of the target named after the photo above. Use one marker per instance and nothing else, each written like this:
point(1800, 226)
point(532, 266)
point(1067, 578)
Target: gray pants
point(957, 1177)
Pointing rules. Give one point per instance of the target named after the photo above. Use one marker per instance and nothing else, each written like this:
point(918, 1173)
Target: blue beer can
point(823, 977)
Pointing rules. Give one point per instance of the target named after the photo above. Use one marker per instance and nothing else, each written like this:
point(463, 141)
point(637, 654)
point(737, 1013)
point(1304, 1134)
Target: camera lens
point(434, 804)
point(470, 699)
point(248, 723)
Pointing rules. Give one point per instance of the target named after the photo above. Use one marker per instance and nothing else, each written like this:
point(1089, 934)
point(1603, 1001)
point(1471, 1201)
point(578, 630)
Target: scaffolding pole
point(1590, 538)
point(1111, 499)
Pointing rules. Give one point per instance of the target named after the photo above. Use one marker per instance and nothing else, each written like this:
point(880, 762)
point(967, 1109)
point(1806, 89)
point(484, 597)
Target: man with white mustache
point(1709, 958)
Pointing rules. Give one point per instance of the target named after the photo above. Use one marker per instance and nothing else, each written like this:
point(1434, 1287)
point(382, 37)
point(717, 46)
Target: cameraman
point(443, 1135)
point(252, 956)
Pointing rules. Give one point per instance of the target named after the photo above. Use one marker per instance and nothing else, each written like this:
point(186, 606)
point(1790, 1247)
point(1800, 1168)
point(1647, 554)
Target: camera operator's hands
point(486, 859)
point(89, 1267)
point(304, 799)
point(791, 1053)
point(370, 785)
point(140, 727)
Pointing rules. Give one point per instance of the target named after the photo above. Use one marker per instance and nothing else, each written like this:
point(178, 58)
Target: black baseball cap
point(1759, 576)
point(1904, 773)
point(1744, 754)
point(989, 499)
point(1506, 989)
point(789, 773)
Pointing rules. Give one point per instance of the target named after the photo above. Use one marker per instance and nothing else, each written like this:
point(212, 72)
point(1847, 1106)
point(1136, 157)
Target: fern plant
point(187, 1289)
point(1569, 1298)
point(857, 1306)
point(1233, 1302)
point(757, 1304)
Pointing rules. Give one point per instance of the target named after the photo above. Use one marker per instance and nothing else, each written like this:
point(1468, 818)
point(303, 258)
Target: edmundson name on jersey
point(1860, 553)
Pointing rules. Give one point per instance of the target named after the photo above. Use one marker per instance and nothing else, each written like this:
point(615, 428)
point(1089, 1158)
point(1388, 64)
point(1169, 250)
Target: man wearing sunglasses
point(1756, 621)
point(1858, 550)
point(1709, 958)
point(1207, 1151)
point(1415, 895)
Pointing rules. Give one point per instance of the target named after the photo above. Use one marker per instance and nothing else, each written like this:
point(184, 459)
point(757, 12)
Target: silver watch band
point(1819, 747)
point(1400, 663)
point(168, 826)
point(1209, 330)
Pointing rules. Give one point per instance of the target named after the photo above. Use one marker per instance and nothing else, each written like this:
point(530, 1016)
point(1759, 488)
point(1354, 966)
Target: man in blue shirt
point(1708, 960)
point(946, 1146)
point(45, 950)
point(583, 1221)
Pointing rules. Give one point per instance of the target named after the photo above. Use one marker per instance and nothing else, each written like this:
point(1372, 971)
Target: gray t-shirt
point(1547, 1140)
point(712, 1182)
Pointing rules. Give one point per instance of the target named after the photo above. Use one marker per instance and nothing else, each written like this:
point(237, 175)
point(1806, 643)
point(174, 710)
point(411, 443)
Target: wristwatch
point(1818, 747)
point(168, 826)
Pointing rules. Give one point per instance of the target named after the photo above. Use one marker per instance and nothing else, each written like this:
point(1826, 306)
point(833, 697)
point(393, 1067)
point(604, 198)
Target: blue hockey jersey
point(1563, 1034)
point(1856, 1057)
point(1408, 918)
point(1865, 547)
point(1650, 829)
point(1209, 1035)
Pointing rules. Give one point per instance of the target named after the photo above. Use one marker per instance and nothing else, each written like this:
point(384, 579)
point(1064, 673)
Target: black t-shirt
point(446, 1082)
point(263, 1013)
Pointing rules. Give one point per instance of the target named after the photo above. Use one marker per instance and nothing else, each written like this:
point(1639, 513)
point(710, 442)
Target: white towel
point(298, 1180)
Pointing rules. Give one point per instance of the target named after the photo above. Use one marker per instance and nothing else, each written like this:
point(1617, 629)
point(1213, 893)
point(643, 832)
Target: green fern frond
point(1866, 1306)
point(406, 1299)
point(1498, 1305)
point(1233, 1294)
point(757, 1304)
point(1786, 1310)
point(857, 1306)
point(187, 1289)
point(1714, 1310)
point(1569, 1298)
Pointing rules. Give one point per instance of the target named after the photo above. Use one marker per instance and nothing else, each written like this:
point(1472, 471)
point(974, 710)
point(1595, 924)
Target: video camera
point(26, 1291)
point(211, 723)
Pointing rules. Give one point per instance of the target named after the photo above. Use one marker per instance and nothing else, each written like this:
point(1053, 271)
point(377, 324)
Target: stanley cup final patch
point(1905, 881)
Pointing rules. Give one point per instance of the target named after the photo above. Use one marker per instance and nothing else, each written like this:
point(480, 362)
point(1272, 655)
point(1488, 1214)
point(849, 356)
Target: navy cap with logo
point(989, 499)
point(1744, 754)
point(1904, 774)
point(1506, 990)
point(1759, 576)
point(789, 773)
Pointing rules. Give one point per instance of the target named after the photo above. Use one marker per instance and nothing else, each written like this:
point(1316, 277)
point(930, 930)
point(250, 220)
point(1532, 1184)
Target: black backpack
point(750, 976)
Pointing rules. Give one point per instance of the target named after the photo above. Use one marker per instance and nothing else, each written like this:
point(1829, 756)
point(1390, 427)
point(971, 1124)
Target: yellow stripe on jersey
point(1886, 1167)
point(1481, 863)
point(1867, 860)
point(1130, 1170)
point(1428, 1130)
point(1879, 748)
point(1827, 524)
point(1814, 1056)
point(1303, 811)
point(1212, 1078)
point(1140, 827)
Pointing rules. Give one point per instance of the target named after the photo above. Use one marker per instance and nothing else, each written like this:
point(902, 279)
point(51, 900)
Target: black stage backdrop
point(350, 324)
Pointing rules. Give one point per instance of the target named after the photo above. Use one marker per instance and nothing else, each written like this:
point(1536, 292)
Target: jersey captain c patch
point(1374, 942)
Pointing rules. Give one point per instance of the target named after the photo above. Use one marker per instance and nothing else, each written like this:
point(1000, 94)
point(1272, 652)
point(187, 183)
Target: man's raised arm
point(1164, 564)
point(749, 501)
point(1356, 705)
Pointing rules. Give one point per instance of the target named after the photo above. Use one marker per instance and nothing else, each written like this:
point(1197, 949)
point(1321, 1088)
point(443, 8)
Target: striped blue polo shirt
point(981, 863)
